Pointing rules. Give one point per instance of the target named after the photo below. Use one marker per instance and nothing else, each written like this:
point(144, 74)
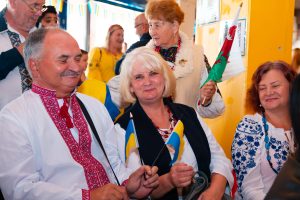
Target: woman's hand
point(142, 182)
point(216, 189)
point(207, 92)
point(181, 175)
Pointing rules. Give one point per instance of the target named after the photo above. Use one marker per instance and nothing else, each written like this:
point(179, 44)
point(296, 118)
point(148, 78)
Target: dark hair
point(296, 59)
point(48, 9)
point(252, 94)
point(83, 51)
point(295, 108)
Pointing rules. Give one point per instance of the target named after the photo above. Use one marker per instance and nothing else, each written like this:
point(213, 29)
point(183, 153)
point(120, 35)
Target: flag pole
point(158, 155)
point(136, 140)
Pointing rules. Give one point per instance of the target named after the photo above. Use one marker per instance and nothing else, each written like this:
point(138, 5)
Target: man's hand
point(142, 182)
point(109, 192)
point(181, 175)
point(207, 92)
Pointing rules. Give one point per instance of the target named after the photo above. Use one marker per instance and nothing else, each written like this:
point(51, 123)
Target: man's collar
point(3, 24)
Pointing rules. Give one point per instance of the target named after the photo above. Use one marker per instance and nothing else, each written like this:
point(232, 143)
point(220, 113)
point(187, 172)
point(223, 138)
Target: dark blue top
point(142, 42)
point(11, 58)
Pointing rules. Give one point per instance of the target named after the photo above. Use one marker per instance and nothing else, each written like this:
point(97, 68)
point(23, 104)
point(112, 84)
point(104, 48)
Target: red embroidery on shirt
point(85, 194)
point(81, 152)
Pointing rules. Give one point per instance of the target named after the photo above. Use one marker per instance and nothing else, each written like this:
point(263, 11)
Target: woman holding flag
point(169, 135)
point(186, 60)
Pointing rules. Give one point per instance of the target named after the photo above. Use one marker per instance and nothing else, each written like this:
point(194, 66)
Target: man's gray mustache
point(70, 73)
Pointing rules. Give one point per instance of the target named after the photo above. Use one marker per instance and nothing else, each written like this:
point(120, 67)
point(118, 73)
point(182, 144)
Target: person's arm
point(219, 163)
point(214, 105)
point(9, 60)
point(19, 176)
point(216, 188)
point(114, 88)
point(246, 158)
point(220, 166)
point(180, 176)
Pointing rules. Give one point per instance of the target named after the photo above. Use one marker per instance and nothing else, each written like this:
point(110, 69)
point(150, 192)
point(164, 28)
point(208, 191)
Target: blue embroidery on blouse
point(247, 140)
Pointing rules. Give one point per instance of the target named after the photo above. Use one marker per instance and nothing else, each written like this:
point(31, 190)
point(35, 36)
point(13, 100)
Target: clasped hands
point(139, 185)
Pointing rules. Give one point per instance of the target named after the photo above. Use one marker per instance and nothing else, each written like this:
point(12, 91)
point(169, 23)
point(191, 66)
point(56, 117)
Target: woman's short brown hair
point(167, 10)
point(252, 94)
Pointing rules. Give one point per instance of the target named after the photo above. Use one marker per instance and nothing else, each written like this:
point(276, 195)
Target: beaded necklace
point(267, 142)
point(164, 132)
point(170, 53)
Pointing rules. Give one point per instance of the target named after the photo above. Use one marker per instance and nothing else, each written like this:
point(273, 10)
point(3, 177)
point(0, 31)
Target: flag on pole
point(219, 66)
point(175, 142)
point(131, 142)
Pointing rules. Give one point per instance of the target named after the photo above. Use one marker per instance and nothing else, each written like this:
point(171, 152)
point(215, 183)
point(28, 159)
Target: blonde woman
point(102, 60)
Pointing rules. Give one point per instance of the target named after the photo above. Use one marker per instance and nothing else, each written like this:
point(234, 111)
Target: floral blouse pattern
point(248, 148)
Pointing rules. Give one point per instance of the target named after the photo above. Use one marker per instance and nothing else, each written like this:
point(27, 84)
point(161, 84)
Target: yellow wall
point(269, 37)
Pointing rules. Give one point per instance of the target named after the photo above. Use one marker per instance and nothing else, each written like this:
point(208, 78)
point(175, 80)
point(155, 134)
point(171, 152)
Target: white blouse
point(249, 156)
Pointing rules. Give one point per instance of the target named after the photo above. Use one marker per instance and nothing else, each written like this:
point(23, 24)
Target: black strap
point(90, 121)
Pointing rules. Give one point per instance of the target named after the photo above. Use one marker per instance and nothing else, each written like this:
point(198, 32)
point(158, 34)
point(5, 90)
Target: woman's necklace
point(170, 53)
point(166, 132)
point(267, 142)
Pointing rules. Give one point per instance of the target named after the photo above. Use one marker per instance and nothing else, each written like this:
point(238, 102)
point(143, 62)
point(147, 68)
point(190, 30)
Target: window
point(3, 4)
point(97, 17)
point(104, 15)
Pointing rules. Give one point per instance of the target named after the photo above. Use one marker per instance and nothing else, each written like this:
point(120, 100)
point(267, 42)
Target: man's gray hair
point(34, 45)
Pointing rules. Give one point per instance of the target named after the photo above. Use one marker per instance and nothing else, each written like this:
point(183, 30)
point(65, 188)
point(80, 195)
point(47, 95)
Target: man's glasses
point(137, 25)
point(35, 8)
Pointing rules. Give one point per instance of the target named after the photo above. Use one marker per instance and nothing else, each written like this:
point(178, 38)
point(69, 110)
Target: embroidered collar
point(170, 53)
point(46, 92)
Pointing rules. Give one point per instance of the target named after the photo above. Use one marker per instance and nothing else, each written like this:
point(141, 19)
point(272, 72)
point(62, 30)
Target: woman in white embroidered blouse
point(264, 140)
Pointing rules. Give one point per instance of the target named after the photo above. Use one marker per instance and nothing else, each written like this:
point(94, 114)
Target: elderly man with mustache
point(50, 145)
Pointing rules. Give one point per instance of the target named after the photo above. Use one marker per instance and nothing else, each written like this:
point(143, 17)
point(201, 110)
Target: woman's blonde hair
point(167, 10)
point(151, 60)
point(110, 31)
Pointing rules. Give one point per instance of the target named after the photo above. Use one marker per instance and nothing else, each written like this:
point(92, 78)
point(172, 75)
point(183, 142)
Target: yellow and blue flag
point(175, 142)
point(131, 142)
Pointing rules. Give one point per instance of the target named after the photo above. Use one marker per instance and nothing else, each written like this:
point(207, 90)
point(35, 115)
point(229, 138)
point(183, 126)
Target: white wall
point(2, 4)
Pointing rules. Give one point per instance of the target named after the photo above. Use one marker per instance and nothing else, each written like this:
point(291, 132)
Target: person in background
point(142, 30)
point(287, 184)
point(47, 148)
point(296, 60)
point(263, 141)
point(17, 19)
point(185, 59)
point(149, 84)
point(102, 61)
point(48, 18)
point(97, 89)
